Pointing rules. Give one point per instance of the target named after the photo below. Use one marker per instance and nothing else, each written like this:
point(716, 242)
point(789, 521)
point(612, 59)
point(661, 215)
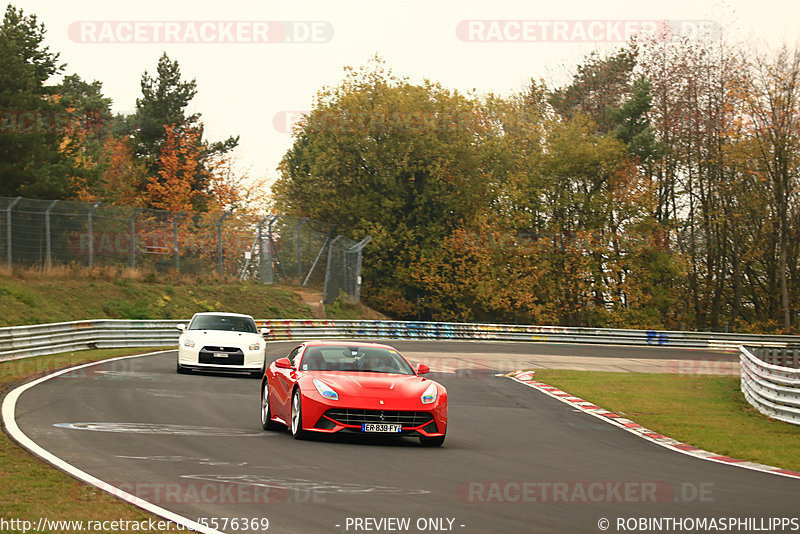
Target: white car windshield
point(354, 358)
point(225, 323)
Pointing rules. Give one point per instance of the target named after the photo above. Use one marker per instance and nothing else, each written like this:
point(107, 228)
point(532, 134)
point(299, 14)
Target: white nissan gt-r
point(217, 341)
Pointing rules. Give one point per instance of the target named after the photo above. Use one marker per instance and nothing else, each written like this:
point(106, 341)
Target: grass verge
point(706, 411)
point(30, 488)
point(37, 297)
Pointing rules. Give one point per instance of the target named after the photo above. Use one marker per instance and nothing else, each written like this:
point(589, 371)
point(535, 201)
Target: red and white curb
point(527, 378)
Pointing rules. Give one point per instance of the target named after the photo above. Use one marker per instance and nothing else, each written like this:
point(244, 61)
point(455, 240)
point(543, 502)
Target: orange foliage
point(123, 174)
point(72, 145)
point(171, 189)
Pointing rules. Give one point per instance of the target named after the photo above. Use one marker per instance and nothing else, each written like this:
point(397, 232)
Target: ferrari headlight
point(254, 346)
point(325, 390)
point(188, 343)
point(430, 394)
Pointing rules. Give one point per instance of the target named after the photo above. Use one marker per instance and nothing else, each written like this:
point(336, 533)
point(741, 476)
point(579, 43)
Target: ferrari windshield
point(354, 358)
point(227, 323)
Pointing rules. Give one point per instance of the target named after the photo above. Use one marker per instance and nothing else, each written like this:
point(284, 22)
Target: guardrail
point(788, 356)
point(36, 340)
point(300, 329)
point(25, 341)
point(773, 390)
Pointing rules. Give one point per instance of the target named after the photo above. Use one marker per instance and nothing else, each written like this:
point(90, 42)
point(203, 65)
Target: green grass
point(707, 411)
point(36, 298)
point(348, 311)
point(31, 489)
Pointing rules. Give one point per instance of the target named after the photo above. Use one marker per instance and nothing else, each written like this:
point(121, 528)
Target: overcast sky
point(251, 76)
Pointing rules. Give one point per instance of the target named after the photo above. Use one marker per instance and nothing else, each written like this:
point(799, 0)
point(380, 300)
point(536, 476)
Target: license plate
point(380, 427)
point(220, 354)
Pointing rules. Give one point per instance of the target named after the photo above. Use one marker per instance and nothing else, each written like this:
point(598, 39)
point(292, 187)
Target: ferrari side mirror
point(283, 363)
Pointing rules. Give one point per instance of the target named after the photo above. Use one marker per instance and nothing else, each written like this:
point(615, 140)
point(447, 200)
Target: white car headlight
point(430, 394)
point(325, 390)
point(254, 346)
point(188, 343)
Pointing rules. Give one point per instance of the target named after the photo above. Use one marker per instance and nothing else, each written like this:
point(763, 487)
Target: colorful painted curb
point(527, 378)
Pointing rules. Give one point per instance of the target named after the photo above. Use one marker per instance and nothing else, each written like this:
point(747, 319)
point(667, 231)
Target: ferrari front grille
point(349, 416)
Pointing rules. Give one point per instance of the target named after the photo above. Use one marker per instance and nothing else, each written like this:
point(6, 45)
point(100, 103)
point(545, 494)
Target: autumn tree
point(161, 112)
point(714, 188)
point(173, 190)
point(122, 171)
point(381, 156)
point(86, 127)
point(599, 86)
point(773, 124)
point(493, 266)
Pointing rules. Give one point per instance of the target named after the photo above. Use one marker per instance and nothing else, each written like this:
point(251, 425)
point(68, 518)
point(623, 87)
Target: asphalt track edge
point(526, 378)
point(11, 428)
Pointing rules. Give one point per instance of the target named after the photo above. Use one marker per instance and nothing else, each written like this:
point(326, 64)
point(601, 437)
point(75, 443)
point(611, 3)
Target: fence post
point(219, 241)
point(175, 237)
point(91, 235)
point(358, 248)
point(48, 253)
point(300, 251)
point(326, 298)
point(9, 255)
point(132, 225)
point(261, 261)
point(261, 250)
point(270, 278)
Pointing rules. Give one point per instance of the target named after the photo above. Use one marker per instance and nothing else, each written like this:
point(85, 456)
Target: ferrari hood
point(373, 384)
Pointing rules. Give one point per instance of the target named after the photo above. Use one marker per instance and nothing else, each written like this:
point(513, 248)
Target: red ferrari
point(368, 388)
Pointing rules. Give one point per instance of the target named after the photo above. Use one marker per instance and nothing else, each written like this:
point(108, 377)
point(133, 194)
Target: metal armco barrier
point(25, 341)
point(36, 340)
point(316, 328)
point(782, 356)
point(773, 390)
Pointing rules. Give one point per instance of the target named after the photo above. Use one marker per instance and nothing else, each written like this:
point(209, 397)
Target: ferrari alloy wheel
point(266, 414)
point(297, 416)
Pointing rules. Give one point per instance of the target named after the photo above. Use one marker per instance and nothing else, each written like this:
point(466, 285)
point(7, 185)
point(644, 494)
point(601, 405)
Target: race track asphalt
point(514, 461)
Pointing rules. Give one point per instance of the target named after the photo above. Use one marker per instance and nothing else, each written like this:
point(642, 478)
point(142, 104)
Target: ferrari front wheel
point(297, 416)
point(266, 413)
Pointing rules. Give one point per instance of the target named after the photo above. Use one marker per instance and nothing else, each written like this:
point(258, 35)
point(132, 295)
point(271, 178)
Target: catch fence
point(272, 249)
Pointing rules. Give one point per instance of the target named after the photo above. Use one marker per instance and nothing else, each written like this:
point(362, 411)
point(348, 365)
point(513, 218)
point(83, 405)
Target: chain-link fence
point(343, 273)
point(272, 249)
